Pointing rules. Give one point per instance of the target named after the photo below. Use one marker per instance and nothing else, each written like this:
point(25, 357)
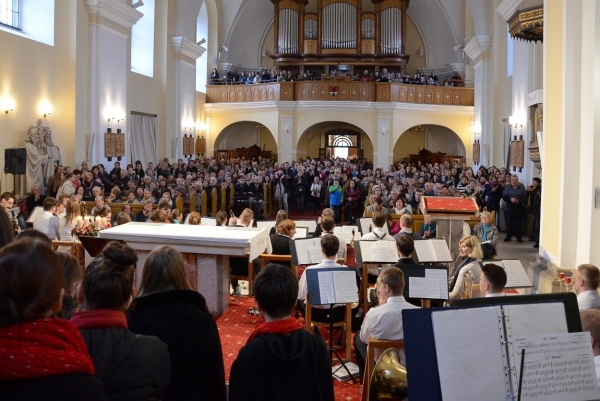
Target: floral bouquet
point(87, 231)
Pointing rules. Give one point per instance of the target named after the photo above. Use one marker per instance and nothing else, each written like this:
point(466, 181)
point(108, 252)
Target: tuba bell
point(388, 378)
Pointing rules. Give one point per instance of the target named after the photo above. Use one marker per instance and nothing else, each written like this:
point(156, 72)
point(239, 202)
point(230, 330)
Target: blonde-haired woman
point(68, 223)
point(470, 251)
point(281, 215)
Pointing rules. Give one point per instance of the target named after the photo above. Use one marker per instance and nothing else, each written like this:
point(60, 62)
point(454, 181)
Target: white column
point(286, 139)
point(110, 23)
point(182, 93)
point(383, 147)
point(478, 49)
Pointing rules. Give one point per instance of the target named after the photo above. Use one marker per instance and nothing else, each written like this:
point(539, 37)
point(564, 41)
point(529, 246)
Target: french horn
point(388, 379)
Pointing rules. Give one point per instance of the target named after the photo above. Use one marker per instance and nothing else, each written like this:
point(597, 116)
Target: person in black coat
point(168, 308)
point(281, 240)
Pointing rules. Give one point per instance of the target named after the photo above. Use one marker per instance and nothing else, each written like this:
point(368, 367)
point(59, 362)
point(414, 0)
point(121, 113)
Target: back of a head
point(330, 244)
point(591, 276)
point(590, 321)
point(123, 218)
point(378, 219)
point(406, 221)
point(71, 270)
point(163, 271)
point(394, 278)
point(108, 280)
point(194, 219)
point(31, 280)
point(246, 216)
point(405, 245)
point(495, 275)
point(327, 223)
point(281, 215)
point(327, 212)
point(285, 227)
point(34, 234)
point(49, 203)
point(276, 290)
point(221, 218)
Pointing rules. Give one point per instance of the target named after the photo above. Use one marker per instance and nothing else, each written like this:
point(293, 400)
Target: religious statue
point(42, 155)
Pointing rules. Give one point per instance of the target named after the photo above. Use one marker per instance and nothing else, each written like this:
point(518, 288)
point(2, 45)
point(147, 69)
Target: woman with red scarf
point(279, 353)
point(42, 357)
point(132, 367)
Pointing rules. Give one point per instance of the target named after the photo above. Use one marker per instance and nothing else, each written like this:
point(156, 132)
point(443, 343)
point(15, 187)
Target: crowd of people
point(271, 76)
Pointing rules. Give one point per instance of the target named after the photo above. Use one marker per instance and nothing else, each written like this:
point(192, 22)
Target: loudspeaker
point(15, 160)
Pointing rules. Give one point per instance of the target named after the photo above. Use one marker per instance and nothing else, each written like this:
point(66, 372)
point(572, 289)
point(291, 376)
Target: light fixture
point(45, 109)
point(513, 121)
point(137, 4)
point(201, 41)
point(8, 105)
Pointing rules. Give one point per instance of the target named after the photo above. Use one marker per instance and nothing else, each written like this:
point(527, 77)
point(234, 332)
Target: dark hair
point(71, 269)
point(30, 281)
point(164, 270)
point(495, 275)
point(49, 203)
point(7, 230)
point(34, 234)
point(379, 201)
point(327, 223)
point(378, 219)
point(406, 245)
point(276, 290)
point(538, 180)
point(108, 280)
point(394, 278)
point(6, 196)
point(330, 245)
point(221, 217)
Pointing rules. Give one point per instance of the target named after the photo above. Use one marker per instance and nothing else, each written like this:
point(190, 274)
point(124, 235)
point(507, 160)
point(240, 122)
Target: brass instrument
point(388, 379)
point(453, 268)
point(467, 289)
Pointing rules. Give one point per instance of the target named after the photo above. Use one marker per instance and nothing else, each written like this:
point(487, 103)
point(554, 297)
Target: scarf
point(99, 319)
point(42, 348)
point(485, 230)
point(285, 326)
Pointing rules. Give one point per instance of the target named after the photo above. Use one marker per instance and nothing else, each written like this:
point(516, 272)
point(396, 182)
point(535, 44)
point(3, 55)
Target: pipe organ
point(340, 32)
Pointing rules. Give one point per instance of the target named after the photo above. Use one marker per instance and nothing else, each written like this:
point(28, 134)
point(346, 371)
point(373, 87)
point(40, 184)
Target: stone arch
point(314, 137)
point(433, 137)
point(245, 134)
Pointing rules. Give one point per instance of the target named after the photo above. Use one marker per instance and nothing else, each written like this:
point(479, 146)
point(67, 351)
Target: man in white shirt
point(47, 222)
point(587, 278)
point(329, 248)
point(492, 280)
point(590, 321)
point(327, 226)
point(385, 321)
point(378, 232)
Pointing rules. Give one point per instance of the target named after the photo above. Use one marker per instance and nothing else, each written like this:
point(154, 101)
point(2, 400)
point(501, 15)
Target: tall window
point(202, 61)
point(9, 13)
point(142, 41)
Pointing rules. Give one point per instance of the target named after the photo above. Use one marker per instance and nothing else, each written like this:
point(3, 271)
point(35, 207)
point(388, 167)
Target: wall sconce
point(287, 129)
point(512, 120)
point(383, 131)
point(46, 109)
point(8, 105)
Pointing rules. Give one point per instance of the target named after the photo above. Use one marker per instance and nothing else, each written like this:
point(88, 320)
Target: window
point(202, 61)
point(9, 13)
point(142, 41)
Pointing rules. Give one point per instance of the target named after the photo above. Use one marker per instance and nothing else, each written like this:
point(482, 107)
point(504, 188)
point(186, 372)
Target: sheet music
point(469, 356)
point(422, 287)
point(314, 254)
point(384, 251)
point(515, 274)
point(345, 286)
point(534, 319)
point(441, 275)
point(558, 367)
point(425, 251)
point(326, 290)
point(311, 224)
point(347, 237)
point(365, 225)
point(441, 250)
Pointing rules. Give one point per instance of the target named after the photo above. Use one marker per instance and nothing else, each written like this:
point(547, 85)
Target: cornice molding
point(478, 46)
point(184, 46)
point(507, 8)
point(115, 11)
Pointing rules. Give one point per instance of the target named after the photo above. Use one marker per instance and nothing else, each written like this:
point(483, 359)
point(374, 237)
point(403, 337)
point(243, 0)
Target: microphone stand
point(331, 350)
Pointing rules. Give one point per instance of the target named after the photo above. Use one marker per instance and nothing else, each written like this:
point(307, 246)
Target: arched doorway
point(246, 134)
point(433, 138)
point(334, 139)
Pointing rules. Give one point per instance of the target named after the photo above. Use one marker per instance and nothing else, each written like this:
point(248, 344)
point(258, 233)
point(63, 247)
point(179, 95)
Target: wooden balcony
point(340, 91)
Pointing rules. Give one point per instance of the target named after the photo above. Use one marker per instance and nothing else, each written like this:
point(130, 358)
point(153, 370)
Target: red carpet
point(236, 325)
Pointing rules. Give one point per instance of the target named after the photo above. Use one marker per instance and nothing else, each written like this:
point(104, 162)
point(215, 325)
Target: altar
point(205, 249)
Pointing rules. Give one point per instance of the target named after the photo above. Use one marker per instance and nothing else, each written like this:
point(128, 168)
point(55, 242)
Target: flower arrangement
point(87, 231)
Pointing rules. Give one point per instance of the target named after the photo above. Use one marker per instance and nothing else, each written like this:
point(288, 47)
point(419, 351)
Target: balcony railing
point(341, 91)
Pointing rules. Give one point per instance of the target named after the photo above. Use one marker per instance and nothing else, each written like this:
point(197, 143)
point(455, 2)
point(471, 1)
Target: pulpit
point(205, 249)
point(450, 215)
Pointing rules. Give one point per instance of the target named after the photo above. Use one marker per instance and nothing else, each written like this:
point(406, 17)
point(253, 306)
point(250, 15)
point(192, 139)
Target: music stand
point(341, 290)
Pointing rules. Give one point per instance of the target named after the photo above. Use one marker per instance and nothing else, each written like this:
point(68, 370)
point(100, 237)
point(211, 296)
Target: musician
point(377, 231)
point(492, 280)
point(590, 321)
point(327, 225)
point(385, 321)
point(587, 278)
point(470, 251)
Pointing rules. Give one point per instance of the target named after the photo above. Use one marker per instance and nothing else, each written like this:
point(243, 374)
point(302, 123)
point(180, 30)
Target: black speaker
point(15, 160)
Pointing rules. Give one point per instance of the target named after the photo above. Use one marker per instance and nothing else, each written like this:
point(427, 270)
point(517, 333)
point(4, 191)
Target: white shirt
point(48, 224)
point(589, 299)
point(342, 250)
point(378, 233)
point(303, 286)
point(495, 294)
point(385, 322)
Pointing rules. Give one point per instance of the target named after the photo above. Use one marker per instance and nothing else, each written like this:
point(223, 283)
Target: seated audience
point(43, 358)
point(377, 207)
point(385, 321)
point(492, 280)
point(590, 321)
point(167, 307)
point(428, 228)
point(144, 215)
point(587, 279)
point(35, 199)
point(406, 227)
point(487, 234)
point(471, 254)
point(131, 366)
point(280, 354)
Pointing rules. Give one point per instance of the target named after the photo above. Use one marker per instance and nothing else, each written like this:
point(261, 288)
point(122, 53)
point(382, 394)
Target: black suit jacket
point(280, 244)
point(405, 264)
